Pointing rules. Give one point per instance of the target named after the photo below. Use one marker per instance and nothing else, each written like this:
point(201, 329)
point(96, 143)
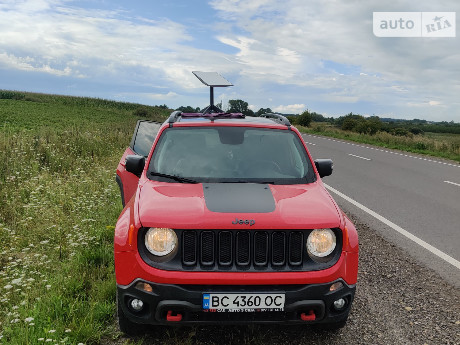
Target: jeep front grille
point(243, 250)
point(251, 250)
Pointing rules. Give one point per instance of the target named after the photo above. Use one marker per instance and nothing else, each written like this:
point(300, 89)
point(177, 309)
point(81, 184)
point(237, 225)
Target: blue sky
point(288, 55)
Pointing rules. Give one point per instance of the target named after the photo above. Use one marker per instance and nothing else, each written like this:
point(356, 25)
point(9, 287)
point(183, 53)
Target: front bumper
point(183, 304)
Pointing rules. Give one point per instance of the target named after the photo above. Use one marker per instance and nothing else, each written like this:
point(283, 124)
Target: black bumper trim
point(187, 301)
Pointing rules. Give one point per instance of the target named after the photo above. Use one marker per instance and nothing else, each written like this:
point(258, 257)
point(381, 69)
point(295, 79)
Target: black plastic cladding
point(241, 250)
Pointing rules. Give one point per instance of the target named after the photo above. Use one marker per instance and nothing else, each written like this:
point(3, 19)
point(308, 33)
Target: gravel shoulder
point(398, 301)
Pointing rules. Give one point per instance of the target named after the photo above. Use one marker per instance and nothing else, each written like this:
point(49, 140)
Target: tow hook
point(308, 317)
point(173, 318)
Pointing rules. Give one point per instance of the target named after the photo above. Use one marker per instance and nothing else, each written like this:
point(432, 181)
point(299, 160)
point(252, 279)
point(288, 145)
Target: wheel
point(127, 326)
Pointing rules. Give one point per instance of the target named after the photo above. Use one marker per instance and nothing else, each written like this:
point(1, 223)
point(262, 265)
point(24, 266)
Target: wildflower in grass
point(41, 339)
point(7, 287)
point(68, 331)
point(52, 331)
point(29, 319)
point(48, 287)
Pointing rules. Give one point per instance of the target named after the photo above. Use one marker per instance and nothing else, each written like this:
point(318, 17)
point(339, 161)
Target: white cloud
point(290, 109)
point(342, 32)
point(28, 64)
point(163, 96)
point(53, 37)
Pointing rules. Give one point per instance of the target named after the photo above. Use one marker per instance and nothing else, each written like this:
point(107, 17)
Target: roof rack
point(278, 118)
point(176, 115)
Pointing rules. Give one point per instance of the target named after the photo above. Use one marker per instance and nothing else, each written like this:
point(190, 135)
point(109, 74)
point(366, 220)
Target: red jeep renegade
point(226, 220)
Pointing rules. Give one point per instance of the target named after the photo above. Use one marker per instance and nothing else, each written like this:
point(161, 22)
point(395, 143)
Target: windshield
point(230, 154)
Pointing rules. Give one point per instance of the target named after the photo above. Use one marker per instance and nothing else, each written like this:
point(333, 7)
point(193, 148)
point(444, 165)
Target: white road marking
point(457, 184)
point(386, 151)
point(398, 229)
point(367, 159)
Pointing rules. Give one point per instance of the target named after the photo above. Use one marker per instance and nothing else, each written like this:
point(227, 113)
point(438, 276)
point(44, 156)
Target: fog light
point(336, 286)
point(339, 304)
point(137, 304)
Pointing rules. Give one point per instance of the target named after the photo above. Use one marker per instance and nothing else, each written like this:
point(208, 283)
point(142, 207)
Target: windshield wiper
point(173, 177)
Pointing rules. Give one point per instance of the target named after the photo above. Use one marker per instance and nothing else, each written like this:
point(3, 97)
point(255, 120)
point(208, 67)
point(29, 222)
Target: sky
point(289, 55)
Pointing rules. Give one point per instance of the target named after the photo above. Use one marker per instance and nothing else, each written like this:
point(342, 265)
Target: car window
point(232, 154)
point(143, 138)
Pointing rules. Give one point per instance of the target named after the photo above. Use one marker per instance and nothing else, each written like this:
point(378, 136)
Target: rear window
point(232, 154)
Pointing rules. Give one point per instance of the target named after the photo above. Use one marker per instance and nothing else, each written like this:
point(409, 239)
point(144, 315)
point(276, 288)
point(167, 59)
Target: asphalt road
point(418, 194)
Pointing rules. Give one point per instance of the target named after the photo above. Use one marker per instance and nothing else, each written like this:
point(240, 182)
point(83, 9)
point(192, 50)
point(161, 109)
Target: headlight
point(321, 242)
point(160, 241)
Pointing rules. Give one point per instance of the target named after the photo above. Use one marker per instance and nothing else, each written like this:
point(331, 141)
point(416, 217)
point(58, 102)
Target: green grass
point(60, 203)
point(434, 144)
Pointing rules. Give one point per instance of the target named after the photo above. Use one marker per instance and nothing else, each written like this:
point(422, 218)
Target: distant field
point(442, 145)
point(60, 203)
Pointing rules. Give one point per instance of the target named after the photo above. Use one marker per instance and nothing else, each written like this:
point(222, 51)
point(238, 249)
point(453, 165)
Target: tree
point(239, 106)
point(318, 117)
point(188, 109)
point(262, 111)
point(349, 124)
point(373, 125)
point(304, 119)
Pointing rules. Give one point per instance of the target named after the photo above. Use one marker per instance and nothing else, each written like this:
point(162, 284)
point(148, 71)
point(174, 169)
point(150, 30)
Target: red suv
point(226, 220)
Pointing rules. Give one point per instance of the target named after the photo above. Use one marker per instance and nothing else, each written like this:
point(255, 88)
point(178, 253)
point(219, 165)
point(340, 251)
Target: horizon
point(289, 57)
point(185, 105)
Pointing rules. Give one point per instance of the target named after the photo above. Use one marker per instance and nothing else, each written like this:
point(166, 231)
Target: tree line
point(349, 122)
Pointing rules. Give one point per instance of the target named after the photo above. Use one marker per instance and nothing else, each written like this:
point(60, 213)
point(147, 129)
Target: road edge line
point(398, 229)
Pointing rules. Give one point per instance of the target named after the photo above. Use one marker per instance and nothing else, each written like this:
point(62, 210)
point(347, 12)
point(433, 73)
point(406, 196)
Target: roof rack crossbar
point(277, 117)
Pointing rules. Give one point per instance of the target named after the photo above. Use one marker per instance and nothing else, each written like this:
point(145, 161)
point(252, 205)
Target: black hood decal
point(238, 197)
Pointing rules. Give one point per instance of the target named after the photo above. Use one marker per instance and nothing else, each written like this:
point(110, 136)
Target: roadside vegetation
point(60, 203)
point(411, 136)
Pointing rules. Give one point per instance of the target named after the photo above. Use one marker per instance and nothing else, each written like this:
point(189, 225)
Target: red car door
point(141, 143)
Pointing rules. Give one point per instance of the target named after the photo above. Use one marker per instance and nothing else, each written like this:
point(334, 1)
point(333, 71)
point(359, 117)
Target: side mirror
point(324, 167)
point(135, 164)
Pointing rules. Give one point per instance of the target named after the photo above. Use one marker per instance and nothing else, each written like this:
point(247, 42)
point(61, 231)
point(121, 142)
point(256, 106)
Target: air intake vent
point(207, 248)
point(225, 248)
point(189, 248)
point(243, 248)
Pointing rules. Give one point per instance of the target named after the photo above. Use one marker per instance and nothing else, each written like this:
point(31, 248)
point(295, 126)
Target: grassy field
point(59, 205)
point(433, 144)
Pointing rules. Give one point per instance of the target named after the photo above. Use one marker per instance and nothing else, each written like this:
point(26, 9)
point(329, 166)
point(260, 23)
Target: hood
point(236, 205)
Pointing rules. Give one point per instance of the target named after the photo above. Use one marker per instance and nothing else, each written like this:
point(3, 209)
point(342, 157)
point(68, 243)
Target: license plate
point(233, 302)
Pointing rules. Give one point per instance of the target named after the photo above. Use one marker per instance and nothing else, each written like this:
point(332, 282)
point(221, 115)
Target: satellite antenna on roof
point(212, 79)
